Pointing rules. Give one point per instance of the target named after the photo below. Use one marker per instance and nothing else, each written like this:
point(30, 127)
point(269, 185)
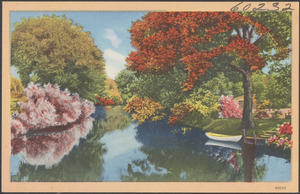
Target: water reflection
point(124, 155)
point(179, 156)
point(232, 145)
point(48, 148)
point(83, 163)
point(248, 159)
point(118, 150)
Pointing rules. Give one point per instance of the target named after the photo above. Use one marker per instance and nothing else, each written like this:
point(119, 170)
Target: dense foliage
point(220, 85)
point(280, 86)
point(126, 82)
point(165, 89)
point(51, 123)
point(52, 49)
point(197, 110)
point(260, 84)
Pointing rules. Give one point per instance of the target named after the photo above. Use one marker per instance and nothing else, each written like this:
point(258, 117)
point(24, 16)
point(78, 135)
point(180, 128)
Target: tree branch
point(237, 69)
point(238, 32)
point(227, 70)
point(245, 29)
point(257, 41)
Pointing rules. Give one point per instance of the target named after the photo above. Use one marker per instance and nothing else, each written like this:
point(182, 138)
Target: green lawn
point(233, 126)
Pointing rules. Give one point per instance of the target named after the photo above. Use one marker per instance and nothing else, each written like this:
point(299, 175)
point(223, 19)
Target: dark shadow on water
point(161, 135)
point(272, 151)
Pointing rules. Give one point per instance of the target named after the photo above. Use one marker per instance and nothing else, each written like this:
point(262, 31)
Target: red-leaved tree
point(192, 40)
point(50, 124)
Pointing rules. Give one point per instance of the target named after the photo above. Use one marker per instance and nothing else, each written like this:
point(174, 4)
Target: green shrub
point(206, 108)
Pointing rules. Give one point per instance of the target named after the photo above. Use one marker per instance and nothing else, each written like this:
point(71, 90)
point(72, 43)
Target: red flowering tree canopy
point(166, 39)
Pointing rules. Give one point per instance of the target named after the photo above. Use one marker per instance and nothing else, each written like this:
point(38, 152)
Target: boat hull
point(218, 137)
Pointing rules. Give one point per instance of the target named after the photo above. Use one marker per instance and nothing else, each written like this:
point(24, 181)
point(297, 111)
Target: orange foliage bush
point(179, 112)
point(144, 108)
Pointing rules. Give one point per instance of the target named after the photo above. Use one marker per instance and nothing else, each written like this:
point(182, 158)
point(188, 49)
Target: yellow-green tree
point(16, 94)
point(112, 90)
point(52, 49)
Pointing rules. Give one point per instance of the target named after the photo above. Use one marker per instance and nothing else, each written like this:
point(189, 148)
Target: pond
point(117, 149)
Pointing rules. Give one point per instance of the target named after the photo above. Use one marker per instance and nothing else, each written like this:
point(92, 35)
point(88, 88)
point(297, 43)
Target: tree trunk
point(248, 122)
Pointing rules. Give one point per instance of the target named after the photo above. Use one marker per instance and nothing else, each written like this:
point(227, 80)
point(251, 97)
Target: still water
point(117, 149)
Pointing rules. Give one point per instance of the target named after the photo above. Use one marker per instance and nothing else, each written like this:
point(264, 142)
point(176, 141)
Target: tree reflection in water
point(83, 163)
point(190, 166)
point(181, 157)
point(249, 151)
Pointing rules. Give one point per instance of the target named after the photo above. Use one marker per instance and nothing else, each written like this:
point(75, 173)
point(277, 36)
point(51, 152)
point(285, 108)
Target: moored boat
point(220, 137)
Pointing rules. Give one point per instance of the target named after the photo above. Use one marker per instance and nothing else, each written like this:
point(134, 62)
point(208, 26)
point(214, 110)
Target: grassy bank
point(233, 126)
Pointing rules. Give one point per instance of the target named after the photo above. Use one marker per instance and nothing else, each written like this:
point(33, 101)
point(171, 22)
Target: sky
point(109, 30)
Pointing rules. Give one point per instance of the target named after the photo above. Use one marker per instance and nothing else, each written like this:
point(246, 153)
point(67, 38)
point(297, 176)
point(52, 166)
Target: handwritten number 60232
point(275, 7)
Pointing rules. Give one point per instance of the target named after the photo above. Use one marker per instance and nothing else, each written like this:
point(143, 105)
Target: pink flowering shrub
point(50, 124)
point(229, 107)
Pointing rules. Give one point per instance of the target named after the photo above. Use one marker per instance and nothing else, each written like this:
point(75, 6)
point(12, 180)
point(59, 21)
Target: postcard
point(150, 97)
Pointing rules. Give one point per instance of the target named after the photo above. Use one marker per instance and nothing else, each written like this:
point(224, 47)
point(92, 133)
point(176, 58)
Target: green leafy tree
point(126, 84)
point(53, 49)
point(279, 88)
point(163, 88)
point(260, 86)
point(237, 89)
point(219, 85)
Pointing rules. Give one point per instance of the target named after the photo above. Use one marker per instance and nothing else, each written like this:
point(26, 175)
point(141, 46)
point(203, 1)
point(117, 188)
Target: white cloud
point(112, 36)
point(115, 62)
